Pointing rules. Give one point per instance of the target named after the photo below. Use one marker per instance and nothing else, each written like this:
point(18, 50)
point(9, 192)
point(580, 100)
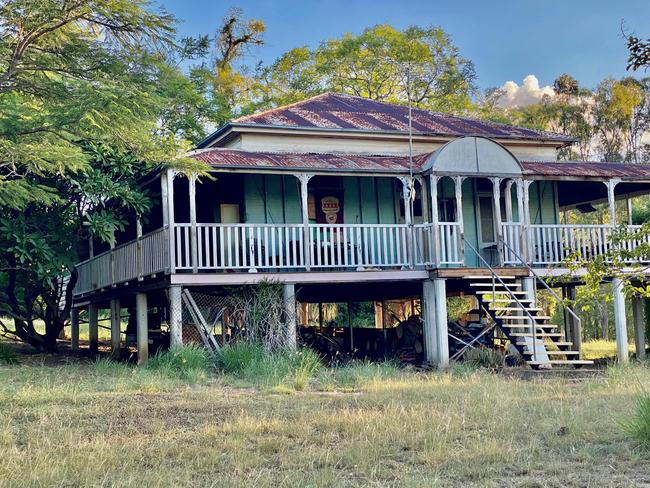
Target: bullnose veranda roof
point(337, 111)
point(338, 162)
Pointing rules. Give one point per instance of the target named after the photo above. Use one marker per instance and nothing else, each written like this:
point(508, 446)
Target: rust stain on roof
point(587, 169)
point(347, 112)
point(316, 161)
point(224, 158)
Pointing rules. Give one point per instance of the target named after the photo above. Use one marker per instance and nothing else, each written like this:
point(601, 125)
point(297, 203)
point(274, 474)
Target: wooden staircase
point(513, 312)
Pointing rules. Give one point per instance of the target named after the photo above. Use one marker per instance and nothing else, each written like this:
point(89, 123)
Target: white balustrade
point(450, 244)
point(559, 243)
point(269, 247)
point(144, 256)
point(511, 232)
point(241, 246)
point(358, 245)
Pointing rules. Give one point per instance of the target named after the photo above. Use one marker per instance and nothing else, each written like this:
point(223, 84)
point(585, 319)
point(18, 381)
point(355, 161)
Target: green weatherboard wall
point(371, 200)
point(275, 199)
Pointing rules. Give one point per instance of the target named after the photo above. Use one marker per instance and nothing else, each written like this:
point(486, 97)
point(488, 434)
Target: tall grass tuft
point(482, 357)
point(251, 363)
point(309, 364)
point(8, 354)
point(638, 426)
point(360, 374)
point(189, 362)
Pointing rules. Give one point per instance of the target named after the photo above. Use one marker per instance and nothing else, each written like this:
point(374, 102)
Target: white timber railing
point(511, 232)
point(358, 245)
point(559, 243)
point(281, 247)
point(449, 244)
point(133, 260)
point(553, 244)
point(240, 246)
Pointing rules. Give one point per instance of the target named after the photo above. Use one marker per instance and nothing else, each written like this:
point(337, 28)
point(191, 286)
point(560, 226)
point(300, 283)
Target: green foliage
point(8, 354)
point(638, 426)
point(639, 52)
point(482, 357)
point(86, 89)
point(374, 65)
point(188, 362)
point(250, 362)
point(458, 306)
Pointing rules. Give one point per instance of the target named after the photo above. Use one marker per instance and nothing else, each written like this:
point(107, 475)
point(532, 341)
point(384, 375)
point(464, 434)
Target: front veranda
point(281, 223)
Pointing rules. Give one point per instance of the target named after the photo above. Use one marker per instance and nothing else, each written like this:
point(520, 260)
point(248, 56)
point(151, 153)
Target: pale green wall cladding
point(378, 199)
point(375, 200)
point(543, 203)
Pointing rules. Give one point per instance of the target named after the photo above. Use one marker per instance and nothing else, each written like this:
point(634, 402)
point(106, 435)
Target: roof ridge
point(281, 107)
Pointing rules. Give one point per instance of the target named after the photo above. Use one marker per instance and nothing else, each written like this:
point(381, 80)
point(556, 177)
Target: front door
point(487, 241)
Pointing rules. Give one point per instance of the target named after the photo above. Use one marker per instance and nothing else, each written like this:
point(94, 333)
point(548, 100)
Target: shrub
point(638, 426)
point(186, 362)
point(239, 357)
point(8, 354)
point(482, 357)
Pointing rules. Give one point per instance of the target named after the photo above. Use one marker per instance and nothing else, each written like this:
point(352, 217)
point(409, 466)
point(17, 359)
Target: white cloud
point(528, 93)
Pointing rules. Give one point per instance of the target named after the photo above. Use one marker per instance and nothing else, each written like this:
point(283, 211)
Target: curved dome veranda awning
point(473, 156)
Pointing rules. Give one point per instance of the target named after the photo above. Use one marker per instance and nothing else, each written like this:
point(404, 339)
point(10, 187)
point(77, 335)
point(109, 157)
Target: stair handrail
point(533, 321)
point(540, 280)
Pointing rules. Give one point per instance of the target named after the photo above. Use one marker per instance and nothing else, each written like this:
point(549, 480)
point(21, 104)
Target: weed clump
point(252, 363)
point(189, 362)
point(638, 426)
point(484, 358)
point(8, 354)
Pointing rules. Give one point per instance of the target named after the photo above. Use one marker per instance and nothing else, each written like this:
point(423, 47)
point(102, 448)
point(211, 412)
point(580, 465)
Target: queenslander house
point(351, 205)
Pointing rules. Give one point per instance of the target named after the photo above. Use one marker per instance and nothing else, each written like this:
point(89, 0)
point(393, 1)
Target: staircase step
point(560, 361)
point(553, 353)
point(553, 343)
point(516, 309)
point(496, 285)
point(488, 277)
point(489, 293)
point(510, 300)
point(518, 317)
point(538, 335)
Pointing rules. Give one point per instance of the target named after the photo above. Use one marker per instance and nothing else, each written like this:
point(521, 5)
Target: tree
point(75, 77)
point(381, 63)
point(639, 53)
point(566, 85)
point(569, 112)
point(621, 116)
point(227, 84)
point(40, 243)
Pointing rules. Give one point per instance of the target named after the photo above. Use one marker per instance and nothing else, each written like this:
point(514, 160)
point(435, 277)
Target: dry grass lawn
point(98, 425)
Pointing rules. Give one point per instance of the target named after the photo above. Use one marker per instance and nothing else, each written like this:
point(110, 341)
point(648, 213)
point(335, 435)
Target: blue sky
point(506, 40)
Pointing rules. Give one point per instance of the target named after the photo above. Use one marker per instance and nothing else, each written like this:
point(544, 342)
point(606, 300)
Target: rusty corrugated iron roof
point(347, 112)
point(219, 157)
point(587, 169)
point(338, 162)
